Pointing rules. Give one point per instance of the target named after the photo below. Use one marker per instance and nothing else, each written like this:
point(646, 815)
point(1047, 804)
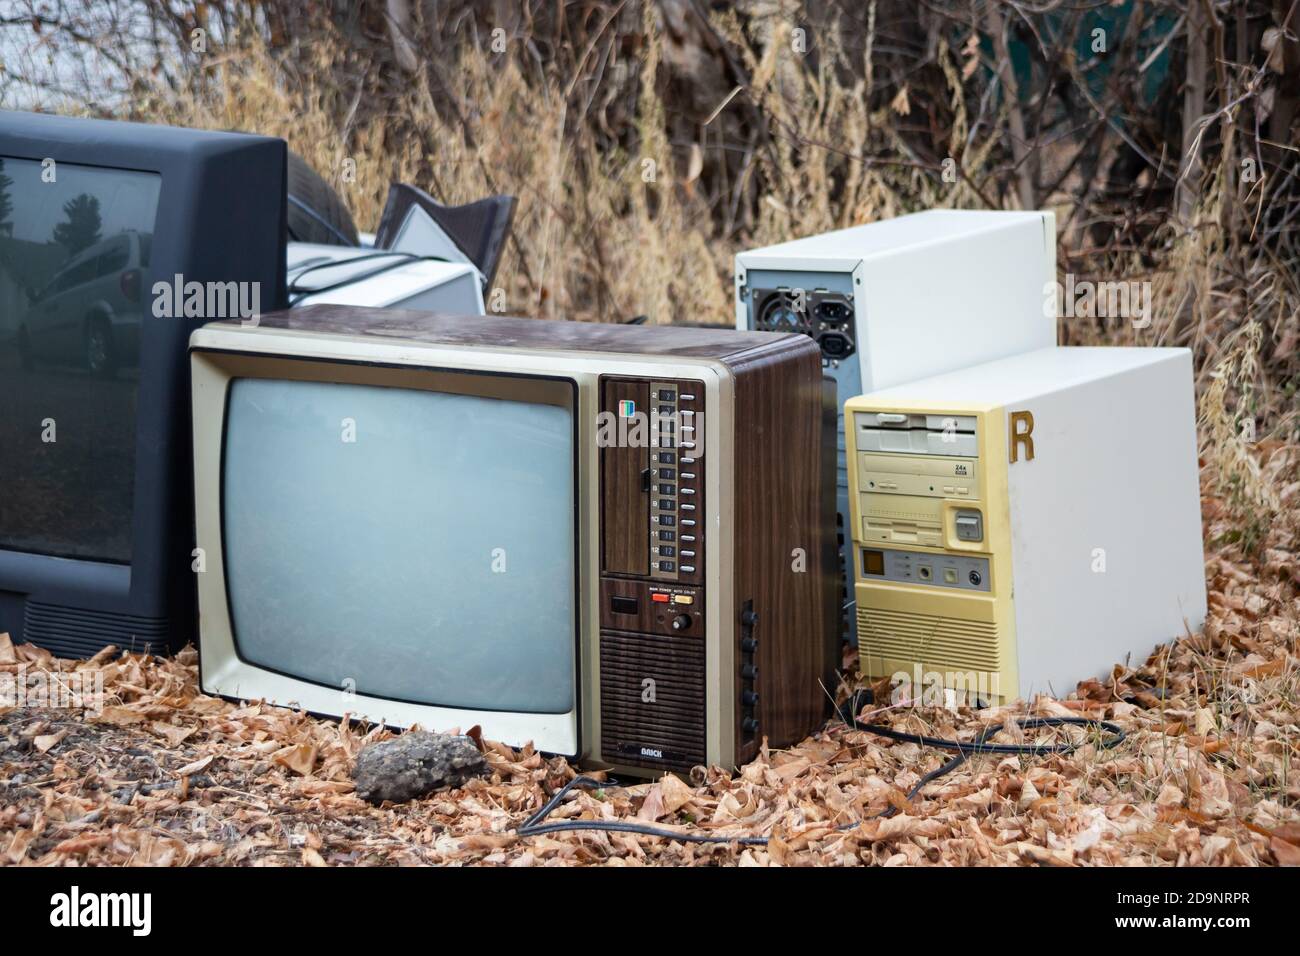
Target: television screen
point(75, 244)
point(405, 544)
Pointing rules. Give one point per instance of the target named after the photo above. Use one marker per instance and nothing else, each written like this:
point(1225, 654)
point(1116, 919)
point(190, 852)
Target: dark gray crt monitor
point(105, 227)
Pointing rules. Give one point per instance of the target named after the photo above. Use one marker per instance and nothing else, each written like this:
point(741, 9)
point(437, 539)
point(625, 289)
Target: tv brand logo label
point(75, 909)
point(652, 752)
point(626, 408)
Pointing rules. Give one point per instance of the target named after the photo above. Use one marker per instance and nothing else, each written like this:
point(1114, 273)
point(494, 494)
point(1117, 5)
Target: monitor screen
point(405, 544)
point(74, 265)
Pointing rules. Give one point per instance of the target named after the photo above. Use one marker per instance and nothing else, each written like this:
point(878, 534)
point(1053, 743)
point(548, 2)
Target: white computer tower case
point(905, 298)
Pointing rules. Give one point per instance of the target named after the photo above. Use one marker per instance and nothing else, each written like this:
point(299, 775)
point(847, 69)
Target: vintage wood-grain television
point(608, 540)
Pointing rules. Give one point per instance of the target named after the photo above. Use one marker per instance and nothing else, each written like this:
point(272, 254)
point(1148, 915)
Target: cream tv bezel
point(223, 352)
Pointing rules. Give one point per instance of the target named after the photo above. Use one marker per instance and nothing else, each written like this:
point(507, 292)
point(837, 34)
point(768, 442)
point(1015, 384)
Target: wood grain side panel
point(780, 548)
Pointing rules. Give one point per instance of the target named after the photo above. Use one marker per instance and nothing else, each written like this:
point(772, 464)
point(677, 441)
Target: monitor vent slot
point(76, 632)
point(946, 643)
point(666, 732)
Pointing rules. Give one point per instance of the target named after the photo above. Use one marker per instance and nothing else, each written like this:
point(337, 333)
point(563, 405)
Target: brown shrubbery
point(649, 142)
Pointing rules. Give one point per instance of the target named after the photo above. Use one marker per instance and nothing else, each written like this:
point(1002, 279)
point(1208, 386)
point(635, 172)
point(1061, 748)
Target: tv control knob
point(750, 725)
point(749, 618)
point(749, 672)
point(749, 698)
point(681, 622)
point(749, 644)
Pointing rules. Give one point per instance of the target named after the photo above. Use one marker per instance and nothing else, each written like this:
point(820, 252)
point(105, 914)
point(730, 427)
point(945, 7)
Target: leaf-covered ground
point(165, 775)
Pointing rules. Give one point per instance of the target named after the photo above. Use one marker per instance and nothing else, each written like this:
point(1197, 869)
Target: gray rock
point(414, 764)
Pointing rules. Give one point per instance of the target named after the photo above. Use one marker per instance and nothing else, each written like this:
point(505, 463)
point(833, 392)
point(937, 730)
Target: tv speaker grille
point(76, 632)
point(652, 700)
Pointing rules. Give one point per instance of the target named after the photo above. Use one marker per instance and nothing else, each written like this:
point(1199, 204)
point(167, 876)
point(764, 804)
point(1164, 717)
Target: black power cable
point(535, 825)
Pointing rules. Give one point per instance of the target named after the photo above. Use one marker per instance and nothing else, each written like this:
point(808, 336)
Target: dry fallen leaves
point(167, 776)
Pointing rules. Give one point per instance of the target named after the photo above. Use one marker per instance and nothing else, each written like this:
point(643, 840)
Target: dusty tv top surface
point(513, 331)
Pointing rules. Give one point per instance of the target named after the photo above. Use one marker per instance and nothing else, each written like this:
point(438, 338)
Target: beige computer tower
point(1028, 523)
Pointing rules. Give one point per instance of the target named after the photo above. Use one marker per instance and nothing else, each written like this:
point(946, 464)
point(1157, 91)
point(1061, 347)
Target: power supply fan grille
point(943, 642)
point(659, 724)
point(75, 632)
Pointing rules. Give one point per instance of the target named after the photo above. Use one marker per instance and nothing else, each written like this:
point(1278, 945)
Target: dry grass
point(598, 235)
point(603, 233)
point(632, 200)
point(612, 226)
